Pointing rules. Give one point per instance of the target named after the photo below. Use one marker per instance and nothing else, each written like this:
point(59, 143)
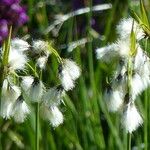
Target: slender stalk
point(92, 77)
point(129, 142)
point(146, 115)
point(145, 121)
point(37, 126)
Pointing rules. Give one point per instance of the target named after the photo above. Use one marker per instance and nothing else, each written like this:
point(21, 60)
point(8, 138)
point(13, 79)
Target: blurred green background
point(87, 125)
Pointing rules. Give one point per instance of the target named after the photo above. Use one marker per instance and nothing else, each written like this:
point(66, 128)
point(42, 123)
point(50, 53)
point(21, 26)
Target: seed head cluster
point(20, 87)
point(118, 97)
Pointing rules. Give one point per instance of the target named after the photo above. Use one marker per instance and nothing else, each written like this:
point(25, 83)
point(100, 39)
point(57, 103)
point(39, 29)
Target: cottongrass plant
point(19, 88)
point(131, 77)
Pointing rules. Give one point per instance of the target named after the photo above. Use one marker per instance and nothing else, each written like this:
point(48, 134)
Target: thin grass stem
point(37, 126)
point(129, 141)
point(146, 115)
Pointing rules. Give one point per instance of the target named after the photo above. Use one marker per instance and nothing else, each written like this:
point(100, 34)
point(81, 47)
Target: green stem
point(146, 115)
point(129, 75)
point(37, 126)
point(129, 142)
point(145, 121)
point(33, 70)
point(51, 49)
point(7, 48)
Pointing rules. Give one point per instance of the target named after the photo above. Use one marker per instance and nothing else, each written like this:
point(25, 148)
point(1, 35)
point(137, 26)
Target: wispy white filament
point(61, 19)
point(56, 117)
point(19, 45)
point(26, 82)
point(137, 85)
point(107, 53)
point(10, 91)
point(20, 111)
point(41, 62)
point(36, 91)
point(53, 96)
point(68, 74)
point(52, 114)
point(114, 100)
point(41, 46)
point(125, 26)
point(17, 60)
point(6, 108)
point(131, 118)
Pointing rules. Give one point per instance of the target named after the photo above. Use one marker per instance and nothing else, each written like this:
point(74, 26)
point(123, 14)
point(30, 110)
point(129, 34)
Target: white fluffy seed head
point(53, 97)
point(140, 59)
point(20, 111)
point(17, 60)
point(41, 46)
point(125, 26)
point(36, 91)
point(107, 53)
point(19, 45)
point(72, 68)
point(26, 82)
point(41, 62)
point(6, 108)
point(10, 92)
point(52, 114)
point(68, 73)
point(123, 47)
point(56, 117)
point(137, 86)
point(66, 80)
point(114, 100)
point(131, 118)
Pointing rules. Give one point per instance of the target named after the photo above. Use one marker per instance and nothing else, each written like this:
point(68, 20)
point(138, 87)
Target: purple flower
point(3, 29)
point(11, 14)
point(10, 2)
point(22, 18)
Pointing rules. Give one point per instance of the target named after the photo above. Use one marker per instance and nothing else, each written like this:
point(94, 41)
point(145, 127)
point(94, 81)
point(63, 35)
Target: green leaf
point(133, 49)
point(143, 14)
point(135, 16)
point(144, 24)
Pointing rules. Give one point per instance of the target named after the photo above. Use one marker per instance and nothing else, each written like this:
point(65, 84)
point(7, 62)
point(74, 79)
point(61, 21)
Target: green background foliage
point(88, 125)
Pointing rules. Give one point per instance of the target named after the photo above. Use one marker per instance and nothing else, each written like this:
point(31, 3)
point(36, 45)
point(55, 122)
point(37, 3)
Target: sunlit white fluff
point(114, 100)
point(120, 48)
point(10, 91)
point(137, 86)
point(19, 44)
point(142, 67)
point(144, 72)
point(107, 53)
point(36, 91)
point(68, 73)
point(20, 111)
point(123, 47)
point(125, 26)
point(66, 80)
point(6, 108)
point(140, 59)
point(17, 60)
point(26, 82)
point(53, 96)
point(52, 114)
point(41, 46)
point(131, 118)
point(41, 62)
point(56, 116)
point(72, 68)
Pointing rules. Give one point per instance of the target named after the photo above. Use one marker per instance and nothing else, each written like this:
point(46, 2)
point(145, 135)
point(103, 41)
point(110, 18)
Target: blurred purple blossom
point(3, 29)
point(11, 13)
